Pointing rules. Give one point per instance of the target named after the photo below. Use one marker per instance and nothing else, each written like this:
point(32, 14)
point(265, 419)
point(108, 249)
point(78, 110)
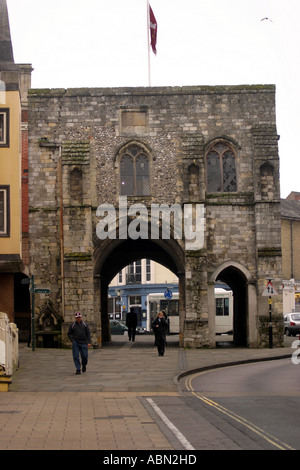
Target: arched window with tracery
point(221, 168)
point(134, 171)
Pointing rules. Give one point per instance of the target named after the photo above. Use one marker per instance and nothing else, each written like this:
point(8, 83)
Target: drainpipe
point(292, 251)
point(62, 272)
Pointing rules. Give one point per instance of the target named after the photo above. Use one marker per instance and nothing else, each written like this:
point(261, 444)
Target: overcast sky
point(103, 43)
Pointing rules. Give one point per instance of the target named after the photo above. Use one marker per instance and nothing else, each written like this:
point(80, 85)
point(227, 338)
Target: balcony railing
point(133, 279)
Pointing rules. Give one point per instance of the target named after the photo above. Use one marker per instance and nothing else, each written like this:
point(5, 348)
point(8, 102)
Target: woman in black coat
point(160, 327)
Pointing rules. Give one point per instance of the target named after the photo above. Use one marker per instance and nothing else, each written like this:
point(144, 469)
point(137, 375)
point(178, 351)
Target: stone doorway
point(119, 253)
point(239, 281)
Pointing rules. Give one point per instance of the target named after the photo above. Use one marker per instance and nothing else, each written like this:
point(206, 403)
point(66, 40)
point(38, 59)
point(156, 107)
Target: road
point(130, 396)
point(252, 406)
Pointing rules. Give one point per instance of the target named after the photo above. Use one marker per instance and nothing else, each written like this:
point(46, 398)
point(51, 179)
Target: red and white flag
point(153, 30)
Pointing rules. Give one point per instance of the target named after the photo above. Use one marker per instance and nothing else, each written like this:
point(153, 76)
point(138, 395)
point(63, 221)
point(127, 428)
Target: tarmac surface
point(128, 399)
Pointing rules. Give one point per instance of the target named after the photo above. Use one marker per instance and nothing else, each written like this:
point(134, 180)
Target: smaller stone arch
point(240, 280)
point(234, 264)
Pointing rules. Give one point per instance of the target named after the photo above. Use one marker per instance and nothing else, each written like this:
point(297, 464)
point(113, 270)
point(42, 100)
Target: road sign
point(42, 291)
point(269, 290)
point(168, 294)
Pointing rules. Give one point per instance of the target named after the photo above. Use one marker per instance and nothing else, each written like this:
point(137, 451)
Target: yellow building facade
point(10, 171)
point(290, 239)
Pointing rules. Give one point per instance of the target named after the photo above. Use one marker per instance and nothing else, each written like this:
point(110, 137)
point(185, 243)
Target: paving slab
point(48, 407)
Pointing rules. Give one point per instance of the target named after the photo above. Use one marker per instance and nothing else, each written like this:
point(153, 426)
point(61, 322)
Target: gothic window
point(221, 168)
point(213, 172)
point(229, 173)
point(142, 175)
point(134, 172)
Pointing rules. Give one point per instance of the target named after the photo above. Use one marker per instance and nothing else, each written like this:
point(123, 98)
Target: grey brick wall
point(85, 128)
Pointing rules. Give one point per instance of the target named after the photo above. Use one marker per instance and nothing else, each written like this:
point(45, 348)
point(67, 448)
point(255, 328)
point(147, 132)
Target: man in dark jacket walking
point(79, 334)
point(131, 323)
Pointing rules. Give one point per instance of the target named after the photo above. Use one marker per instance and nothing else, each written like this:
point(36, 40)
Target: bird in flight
point(266, 18)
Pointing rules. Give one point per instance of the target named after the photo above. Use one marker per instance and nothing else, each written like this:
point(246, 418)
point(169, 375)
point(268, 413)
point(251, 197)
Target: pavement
point(125, 400)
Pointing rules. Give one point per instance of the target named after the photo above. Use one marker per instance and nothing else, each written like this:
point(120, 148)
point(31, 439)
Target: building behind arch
point(212, 146)
point(15, 80)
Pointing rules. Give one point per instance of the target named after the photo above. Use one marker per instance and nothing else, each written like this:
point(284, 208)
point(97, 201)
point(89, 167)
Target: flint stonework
point(76, 138)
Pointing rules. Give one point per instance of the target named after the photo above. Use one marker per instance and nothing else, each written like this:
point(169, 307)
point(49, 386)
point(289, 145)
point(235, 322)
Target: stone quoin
point(216, 147)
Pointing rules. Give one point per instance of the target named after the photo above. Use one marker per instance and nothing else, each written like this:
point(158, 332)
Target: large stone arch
point(112, 255)
point(242, 284)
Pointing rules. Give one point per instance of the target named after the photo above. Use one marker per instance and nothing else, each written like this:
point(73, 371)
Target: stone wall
point(75, 139)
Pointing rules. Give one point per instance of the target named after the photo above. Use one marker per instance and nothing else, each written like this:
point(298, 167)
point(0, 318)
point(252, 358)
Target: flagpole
point(148, 37)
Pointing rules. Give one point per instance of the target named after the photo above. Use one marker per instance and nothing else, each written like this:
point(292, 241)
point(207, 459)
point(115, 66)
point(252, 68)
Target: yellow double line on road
point(257, 430)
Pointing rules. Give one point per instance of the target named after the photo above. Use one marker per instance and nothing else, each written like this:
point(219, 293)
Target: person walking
point(160, 326)
point(131, 323)
point(79, 334)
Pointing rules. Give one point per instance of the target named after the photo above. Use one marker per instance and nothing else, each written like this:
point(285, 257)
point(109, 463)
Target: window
point(222, 307)
point(148, 270)
point(127, 175)
point(221, 168)
point(135, 300)
point(134, 273)
point(4, 211)
point(134, 172)
point(4, 127)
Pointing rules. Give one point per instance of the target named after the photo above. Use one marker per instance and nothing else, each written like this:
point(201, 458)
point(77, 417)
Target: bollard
point(8, 351)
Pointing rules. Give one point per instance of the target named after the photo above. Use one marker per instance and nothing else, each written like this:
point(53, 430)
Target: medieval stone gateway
point(215, 147)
